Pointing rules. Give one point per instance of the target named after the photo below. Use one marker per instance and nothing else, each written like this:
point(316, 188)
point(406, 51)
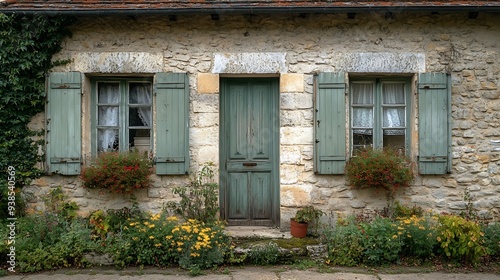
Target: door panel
point(249, 151)
point(260, 192)
point(238, 193)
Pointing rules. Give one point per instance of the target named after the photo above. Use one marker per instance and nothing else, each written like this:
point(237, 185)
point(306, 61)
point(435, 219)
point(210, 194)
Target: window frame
point(123, 110)
point(378, 107)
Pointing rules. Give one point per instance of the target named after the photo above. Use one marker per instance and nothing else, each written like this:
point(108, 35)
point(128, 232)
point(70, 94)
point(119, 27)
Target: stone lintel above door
point(250, 63)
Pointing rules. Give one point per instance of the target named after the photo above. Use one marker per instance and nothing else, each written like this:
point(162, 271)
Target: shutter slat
point(434, 110)
point(329, 125)
point(172, 123)
point(64, 123)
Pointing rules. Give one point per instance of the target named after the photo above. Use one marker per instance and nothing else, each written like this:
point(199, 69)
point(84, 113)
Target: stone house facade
point(278, 98)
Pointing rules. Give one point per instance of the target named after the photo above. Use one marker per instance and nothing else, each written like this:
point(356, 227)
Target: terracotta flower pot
point(298, 229)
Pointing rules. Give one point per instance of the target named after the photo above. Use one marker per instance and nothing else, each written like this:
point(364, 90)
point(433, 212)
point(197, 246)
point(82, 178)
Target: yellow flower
point(172, 218)
point(180, 243)
point(168, 237)
point(327, 261)
point(151, 226)
point(394, 236)
point(155, 217)
point(135, 238)
point(179, 249)
point(151, 237)
point(158, 245)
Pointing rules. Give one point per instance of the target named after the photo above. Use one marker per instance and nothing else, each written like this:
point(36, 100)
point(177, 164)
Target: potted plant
point(304, 216)
point(385, 170)
point(118, 172)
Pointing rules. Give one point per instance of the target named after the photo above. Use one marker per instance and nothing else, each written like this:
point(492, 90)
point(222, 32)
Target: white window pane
point(362, 93)
point(107, 116)
point(362, 117)
point(107, 140)
point(393, 93)
point(140, 93)
point(108, 93)
point(394, 117)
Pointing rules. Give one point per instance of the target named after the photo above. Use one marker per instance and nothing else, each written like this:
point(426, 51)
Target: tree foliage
point(27, 44)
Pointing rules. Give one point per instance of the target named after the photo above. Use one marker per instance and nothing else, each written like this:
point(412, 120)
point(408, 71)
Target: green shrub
point(264, 254)
point(381, 242)
point(418, 235)
point(379, 169)
point(345, 243)
point(46, 242)
point(199, 200)
point(460, 239)
point(118, 172)
point(162, 241)
point(492, 239)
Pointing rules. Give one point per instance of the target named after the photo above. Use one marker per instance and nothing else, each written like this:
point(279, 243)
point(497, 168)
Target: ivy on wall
point(27, 44)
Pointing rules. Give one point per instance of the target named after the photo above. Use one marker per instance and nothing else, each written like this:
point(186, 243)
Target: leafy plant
point(418, 235)
point(309, 214)
point(199, 200)
point(460, 239)
point(379, 169)
point(264, 254)
point(55, 202)
point(345, 243)
point(100, 221)
point(381, 242)
point(118, 172)
point(492, 239)
point(469, 213)
point(163, 240)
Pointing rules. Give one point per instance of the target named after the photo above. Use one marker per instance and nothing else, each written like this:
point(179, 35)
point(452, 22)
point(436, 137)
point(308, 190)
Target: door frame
point(275, 159)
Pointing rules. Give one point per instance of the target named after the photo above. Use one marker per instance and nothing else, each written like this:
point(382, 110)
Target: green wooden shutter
point(434, 123)
point(63, 132)
point(172, 123)
point(330, 124)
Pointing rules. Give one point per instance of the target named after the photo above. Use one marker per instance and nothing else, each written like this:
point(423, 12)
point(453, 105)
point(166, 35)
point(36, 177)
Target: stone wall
point(296, 48)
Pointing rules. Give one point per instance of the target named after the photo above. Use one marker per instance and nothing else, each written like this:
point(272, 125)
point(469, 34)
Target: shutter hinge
point(318, 122)
point(316, 141)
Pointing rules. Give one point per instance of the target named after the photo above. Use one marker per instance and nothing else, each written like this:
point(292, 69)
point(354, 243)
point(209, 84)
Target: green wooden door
point(249, 151)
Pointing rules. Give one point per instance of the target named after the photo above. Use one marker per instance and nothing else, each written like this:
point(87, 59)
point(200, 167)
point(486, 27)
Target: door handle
point(249, 164)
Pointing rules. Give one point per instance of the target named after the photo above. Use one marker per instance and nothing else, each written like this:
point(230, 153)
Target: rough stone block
point(292, 82)
point(208, 83)
point(295, 195)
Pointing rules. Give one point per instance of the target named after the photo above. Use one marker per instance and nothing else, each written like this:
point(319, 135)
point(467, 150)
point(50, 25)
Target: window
point(379, 113)
point(121, 119)
point(123, 115)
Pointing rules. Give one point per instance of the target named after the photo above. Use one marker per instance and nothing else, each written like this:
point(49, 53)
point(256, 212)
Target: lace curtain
point(107, 139)
point(393, 116)
point(141, 94)
point(362, 117)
